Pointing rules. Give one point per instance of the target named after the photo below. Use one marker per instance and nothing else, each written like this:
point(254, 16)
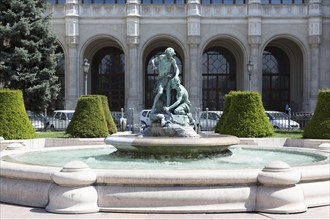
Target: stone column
point(315, 33)
point(278, 192)
point(254, 40)
point(193, 79)
point(73, 191)
point(133, 75)
point(72, 77)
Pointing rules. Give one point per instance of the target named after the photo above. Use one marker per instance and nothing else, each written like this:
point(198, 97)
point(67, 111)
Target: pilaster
point(133, 76)
point(72, 40)
point(314, 34)
point(192, 76)
point(72, 21)
point(254, 40)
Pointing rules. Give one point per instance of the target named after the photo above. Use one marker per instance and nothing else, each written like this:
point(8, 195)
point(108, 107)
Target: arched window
point(219, 77)
point(275, 79)
point(108, 76)
point(151, 75)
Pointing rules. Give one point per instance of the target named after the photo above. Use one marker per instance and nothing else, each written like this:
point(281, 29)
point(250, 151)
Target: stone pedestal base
point(73, 191)
point(279, 192)
point(72, 199)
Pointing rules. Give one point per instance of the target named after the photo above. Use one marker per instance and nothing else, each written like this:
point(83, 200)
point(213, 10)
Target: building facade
point(287, 41)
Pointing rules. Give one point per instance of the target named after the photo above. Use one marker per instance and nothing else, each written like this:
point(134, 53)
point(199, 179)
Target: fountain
point(167, 168)
point(171, 131)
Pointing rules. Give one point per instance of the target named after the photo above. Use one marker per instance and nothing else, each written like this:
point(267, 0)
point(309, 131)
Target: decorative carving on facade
point(228, 11)
point(315, 27)
point(314, 40)
point(315, 10)
point(193, 28)
point(255, 28)
point(194, 40)
point(108, 10)
point(113, 10)
point(132, 40)
point(194, 10)
point(133, 10)
point(168, 11)
point(284, 10)
point(254, 10)
point(73, 40)
point(254, 40)
point(132, 27)
point(72, 27)
point(72, 9)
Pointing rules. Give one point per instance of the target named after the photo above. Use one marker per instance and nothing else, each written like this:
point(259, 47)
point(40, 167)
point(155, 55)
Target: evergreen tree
point(27, 52)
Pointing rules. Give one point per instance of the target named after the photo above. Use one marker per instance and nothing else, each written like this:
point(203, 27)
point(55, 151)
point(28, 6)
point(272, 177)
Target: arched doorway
point(151, 75)
point(108, 76)
point(275, 79)
point(219, 76)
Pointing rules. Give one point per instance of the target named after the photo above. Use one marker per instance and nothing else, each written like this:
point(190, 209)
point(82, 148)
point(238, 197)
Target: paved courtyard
point(21, 213)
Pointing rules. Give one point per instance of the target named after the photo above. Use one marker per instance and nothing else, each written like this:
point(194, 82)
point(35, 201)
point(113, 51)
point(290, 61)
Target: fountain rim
point(171, 145)
point(174, 141)
point(167, 176)
point(163, 187)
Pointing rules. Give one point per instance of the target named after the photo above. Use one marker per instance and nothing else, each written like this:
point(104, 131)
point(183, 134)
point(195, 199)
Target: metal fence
point(204, 121)
point(124, 120)
point(207, 120)
point(302, 118)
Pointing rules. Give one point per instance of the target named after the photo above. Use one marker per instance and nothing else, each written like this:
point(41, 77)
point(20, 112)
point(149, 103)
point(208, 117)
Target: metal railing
point(204, 121)
point(207, 120)
point(302, 118)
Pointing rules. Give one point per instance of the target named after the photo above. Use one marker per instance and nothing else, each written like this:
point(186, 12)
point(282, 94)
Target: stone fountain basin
point(172, 191)
point(172, 145)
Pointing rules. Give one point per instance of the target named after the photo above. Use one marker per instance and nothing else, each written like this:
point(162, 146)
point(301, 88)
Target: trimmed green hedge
point(14, 122)
point(319, 125)
point(112, 127)
point(220, 127)
point(88, 121)
point(244, 116)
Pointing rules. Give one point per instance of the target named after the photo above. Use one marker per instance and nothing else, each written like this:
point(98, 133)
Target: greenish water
point(238, 157)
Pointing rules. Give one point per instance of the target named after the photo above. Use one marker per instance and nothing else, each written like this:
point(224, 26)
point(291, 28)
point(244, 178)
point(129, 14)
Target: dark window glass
point(275, 79)
point(108, 76)
point(219, 77)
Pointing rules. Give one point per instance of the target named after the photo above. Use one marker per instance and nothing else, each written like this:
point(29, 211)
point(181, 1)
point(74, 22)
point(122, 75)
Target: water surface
point(236, 157)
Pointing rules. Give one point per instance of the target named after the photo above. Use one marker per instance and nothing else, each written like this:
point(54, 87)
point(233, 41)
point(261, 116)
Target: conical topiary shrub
point(246, 116)
point(220, 127)
point(88, 121)
point(112, 128)
point(319, 125)
point(14, 122)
